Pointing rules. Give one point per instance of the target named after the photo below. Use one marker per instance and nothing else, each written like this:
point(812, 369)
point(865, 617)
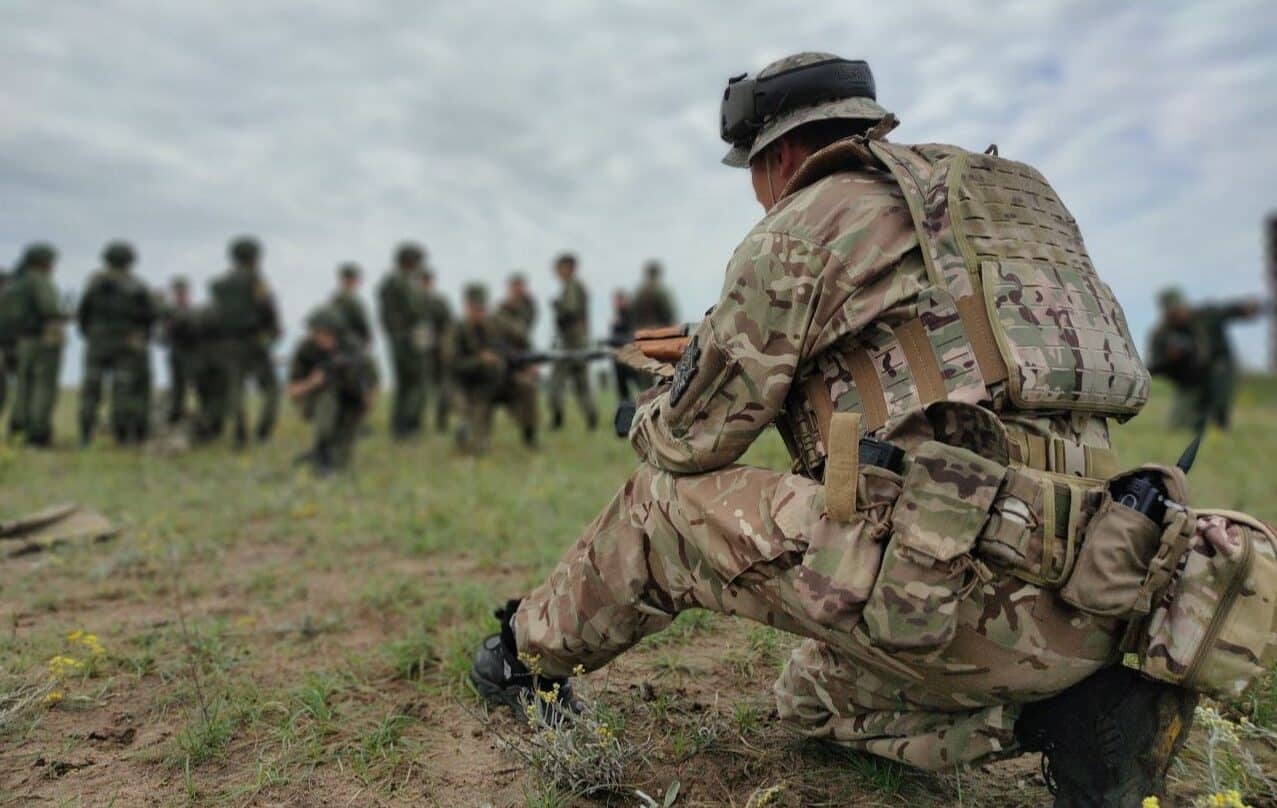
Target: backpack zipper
point(1221, 613)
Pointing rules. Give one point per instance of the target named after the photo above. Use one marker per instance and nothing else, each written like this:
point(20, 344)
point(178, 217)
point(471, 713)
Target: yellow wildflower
point(605, 734)
point(52, 697)
point(62, 666)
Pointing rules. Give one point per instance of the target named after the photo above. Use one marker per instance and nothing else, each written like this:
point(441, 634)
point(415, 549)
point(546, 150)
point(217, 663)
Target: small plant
point(1219, 756)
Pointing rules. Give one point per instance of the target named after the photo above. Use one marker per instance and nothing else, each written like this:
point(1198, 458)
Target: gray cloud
point(499, 136)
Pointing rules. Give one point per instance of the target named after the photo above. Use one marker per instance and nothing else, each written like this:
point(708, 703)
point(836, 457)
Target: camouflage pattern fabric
point(439, 391)
point(737, 541)
point(571, 317)
point(354, 315)
point(401, 305)
point(652, 306)
point(833, 263)
point(485, 381)
point(248, 325)
point(39, 356)
point(1196, 355)
point(115, 316)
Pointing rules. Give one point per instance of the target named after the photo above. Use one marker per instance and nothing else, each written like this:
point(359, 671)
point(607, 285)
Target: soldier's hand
point(490, 358)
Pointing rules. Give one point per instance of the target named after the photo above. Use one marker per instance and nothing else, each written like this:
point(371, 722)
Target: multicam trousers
point(575, 374)
point(739, 541)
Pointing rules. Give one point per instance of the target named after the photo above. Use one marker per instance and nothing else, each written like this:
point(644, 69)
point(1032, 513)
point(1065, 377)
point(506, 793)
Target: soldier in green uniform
point(333, 380)
point(483, 348)
point(572, 326)
point(346, 302)
point(1190, 347)
point(402, 310)
point(115, 317)
point(248, 325)
point(516, 314)
point(208, 374)
point(652, 305)
point(853, 319)
point(438, 377)
point(179, 334)
point(40, 324)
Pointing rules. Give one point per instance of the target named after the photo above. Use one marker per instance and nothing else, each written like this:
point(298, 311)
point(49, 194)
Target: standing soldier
point(40, 324)
point(480, 358)
point(572, 324)
point(516, 315)
point(438, 379)
point(346, 302)
point(621, 332)
point(652, 305)
point(179, 333)
point(401, 307)
point(856, 309)
point(115, 317)
point(248, 322)
point(332, 379)
point(1190, 347)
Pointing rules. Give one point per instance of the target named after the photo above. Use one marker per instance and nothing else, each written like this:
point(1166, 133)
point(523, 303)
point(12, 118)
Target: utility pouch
point(927, 567)
point(1126, 559)
point(1036, 525)
point(1214, 630)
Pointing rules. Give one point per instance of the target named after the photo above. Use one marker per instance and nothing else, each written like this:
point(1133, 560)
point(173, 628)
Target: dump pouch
point(927, 567)
point(1126, 559)
point(1214, 629)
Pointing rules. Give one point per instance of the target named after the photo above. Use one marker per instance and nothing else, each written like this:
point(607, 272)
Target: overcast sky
point(499, 133)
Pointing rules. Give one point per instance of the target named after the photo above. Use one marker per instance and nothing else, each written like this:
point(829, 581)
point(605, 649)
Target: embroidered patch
point(685, 370)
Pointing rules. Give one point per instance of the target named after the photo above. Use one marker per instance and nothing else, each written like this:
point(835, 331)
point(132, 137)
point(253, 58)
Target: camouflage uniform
point(402, 310)
point(438, 377)
point(338, 406)
point(208, 373)
point(40, 330)
point(809, 301)
point(1196, 355)
point(572, 324)
point(480, 360)
point(115, 316)
point(179, 331)
point(652, 305)
point(354, 317)
point(248, 326)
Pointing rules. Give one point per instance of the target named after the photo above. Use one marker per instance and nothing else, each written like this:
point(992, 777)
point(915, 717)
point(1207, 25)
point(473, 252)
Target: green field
point(272, 639)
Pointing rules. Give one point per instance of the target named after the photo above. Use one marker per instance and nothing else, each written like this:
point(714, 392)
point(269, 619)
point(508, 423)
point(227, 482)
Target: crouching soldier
point(887, 315)
point(484, 361)
point(333, 382)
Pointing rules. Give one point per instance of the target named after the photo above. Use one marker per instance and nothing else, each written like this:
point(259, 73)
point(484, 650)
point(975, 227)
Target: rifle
point(525, 359)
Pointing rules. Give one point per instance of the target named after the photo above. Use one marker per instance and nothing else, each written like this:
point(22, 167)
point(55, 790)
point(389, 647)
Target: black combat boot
point(500, 676)
point(556, 420)
point(1108, 741)
point(530, 437)
point(86, 435)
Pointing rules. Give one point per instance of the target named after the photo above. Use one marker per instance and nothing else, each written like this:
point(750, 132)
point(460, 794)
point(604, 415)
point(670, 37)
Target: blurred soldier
point(652, 305)
point(208, 373)
point(516, 315)
point(402, 310)
point(179, 333)
point(438, 381)
point(486, 377)
point(896, 545)
point(346, 302)
point(572, 325)
point(248, 322)
point(115, 317)
point(1190, 347)
point(31, 301)
point(333, 380)
point(628, 380)
point(8, 346)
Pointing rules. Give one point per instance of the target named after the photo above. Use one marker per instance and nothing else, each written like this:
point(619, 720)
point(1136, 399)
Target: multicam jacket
point(833, 273)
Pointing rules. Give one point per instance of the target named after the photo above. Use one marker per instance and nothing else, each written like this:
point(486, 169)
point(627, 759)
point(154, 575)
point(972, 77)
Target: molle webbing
point(1015, 315)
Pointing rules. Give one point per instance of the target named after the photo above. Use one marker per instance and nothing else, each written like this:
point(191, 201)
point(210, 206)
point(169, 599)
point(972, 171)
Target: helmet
point(119, 254)
point(244, 250)
point(652, 269)
point(1170, 297)
point(475, 293)
point(409, 254)
point(325, 318)
point(349, 271)
point(790, 92)
point(180, 282)
point(40, 255)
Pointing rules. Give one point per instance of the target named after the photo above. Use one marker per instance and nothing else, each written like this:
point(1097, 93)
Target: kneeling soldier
point(333, 381)
point(891, 293)
point(484, 364)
